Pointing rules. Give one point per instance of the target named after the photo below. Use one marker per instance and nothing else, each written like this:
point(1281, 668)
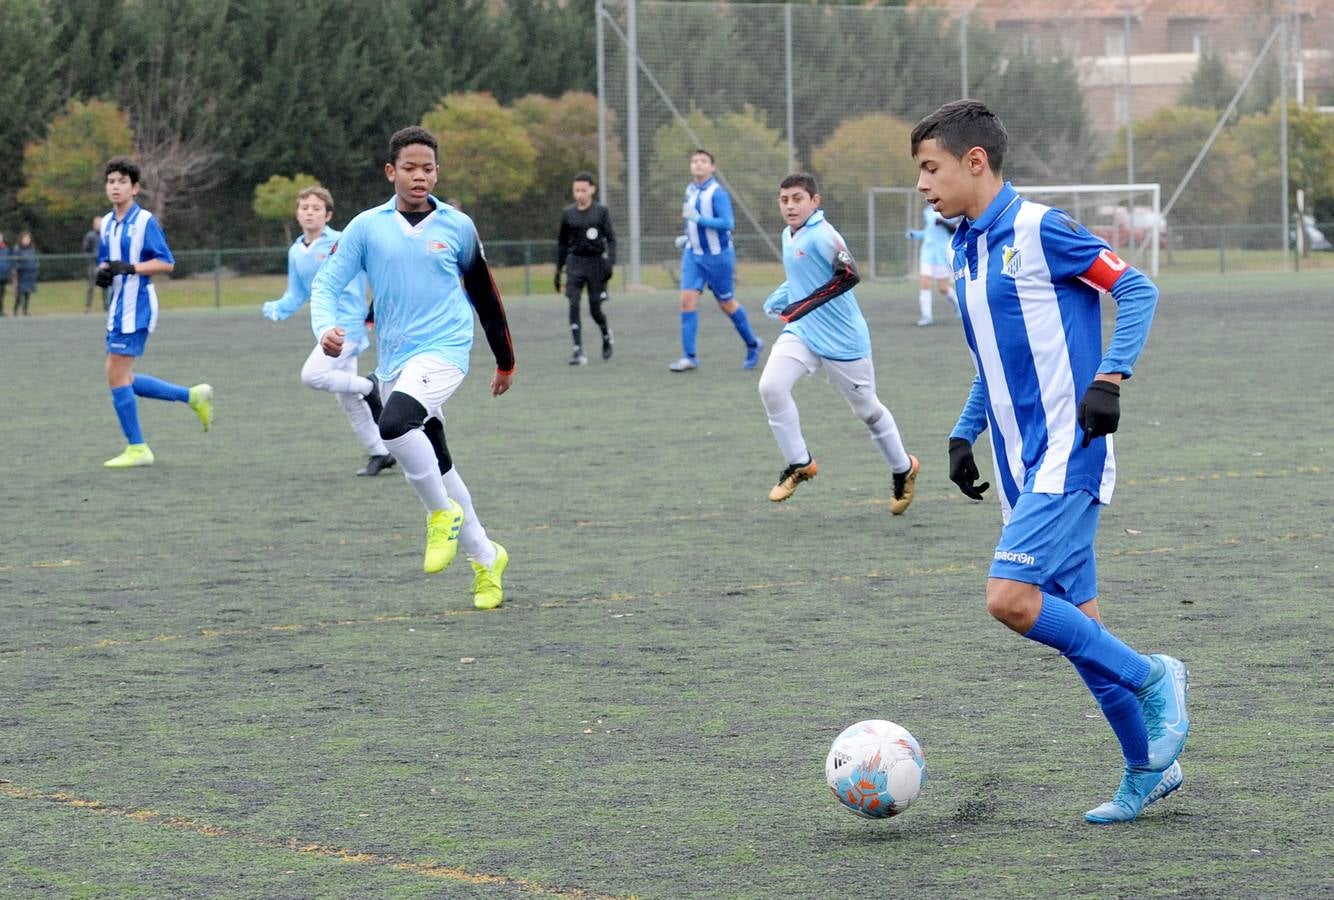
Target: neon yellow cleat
point(442, 537)
point(486, 591)
point(132, 456)
point(904, 484)
point(201, 401)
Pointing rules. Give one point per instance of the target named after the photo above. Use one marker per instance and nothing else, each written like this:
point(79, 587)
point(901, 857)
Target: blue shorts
point(127, 344)
point(698, 270)
point(1049, 542)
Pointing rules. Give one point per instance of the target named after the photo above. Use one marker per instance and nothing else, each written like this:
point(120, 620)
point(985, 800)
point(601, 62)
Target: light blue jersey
point(712, 233)
point(419, 308)
point(135, 238)
point(1029, 280)
point(303, 261)
point(935, 235)
point(835, 330)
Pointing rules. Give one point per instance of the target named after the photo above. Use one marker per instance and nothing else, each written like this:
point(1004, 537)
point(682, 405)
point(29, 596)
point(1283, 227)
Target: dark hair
point(962, 125)
point(406, 137)
point(801, 180)
point(585, 176)
point(700, 151)
point(125, 166)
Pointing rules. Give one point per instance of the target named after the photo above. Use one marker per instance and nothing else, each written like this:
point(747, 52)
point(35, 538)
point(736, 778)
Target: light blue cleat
point(1164, 705)
point(1139, 789)
point(753, 355)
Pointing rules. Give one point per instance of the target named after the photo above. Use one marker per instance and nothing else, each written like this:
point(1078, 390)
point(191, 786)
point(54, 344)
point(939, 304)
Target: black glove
point(556, 281)
point(120, 267)
point(963, 470)
point(1100, 410)
point(103, 278)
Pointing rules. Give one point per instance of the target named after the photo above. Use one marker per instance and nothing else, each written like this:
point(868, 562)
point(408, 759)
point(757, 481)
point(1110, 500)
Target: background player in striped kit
point(427, 272)
point(359, 397)
point(1029, 280)
point(708, 259)
point(132, 250)
point(825, 329)
point(933, 262)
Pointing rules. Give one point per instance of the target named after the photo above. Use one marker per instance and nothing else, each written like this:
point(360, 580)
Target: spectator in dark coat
point(25, 267)
point(4, 271)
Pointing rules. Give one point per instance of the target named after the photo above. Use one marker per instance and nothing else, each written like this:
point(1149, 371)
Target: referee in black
point(587, 241)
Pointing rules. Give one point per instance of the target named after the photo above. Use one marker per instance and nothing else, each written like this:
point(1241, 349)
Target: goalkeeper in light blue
point(359, 397)
point(1030, 281)
point(823, 329)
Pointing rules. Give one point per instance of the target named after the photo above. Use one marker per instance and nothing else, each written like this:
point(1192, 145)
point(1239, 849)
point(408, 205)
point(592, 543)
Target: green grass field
point(226, 676)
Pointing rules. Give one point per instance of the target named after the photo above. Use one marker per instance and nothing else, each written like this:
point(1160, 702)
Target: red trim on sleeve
point(1105, 271)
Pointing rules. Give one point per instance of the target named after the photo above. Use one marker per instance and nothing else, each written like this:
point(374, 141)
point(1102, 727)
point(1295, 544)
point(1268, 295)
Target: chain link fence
point(835, 90)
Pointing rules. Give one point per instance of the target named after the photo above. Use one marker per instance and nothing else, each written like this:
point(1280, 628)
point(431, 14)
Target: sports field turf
point(226, 675)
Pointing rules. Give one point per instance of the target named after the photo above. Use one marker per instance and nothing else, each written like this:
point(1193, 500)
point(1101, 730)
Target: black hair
point(406, 137)
point(700, 151)
point(125, 166)
point(801, 180)
point(962, 125)
point(586, 176)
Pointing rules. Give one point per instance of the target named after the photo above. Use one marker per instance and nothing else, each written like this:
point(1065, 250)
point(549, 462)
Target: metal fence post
point(217, 279)
point(527, 268)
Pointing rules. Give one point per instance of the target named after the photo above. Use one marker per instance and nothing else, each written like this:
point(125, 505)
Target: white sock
point(472, 537)
point(786, 427)
point(924, 302)
point(776, 382)
point(359, 414)
point(420, 467)
point(885, 436)
point(954, 298)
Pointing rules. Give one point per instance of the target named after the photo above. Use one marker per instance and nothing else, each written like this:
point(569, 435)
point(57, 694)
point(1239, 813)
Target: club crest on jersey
point(591, 233)
point(436, 246)
point(1010, 262)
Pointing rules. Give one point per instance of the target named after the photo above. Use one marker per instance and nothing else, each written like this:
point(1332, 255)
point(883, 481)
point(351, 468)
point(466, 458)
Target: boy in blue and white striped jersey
point(708, 259)
point(359, 397)
point(132, 249)
point(1029, 281)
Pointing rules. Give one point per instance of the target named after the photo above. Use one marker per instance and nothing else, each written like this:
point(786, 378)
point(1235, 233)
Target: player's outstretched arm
point(344, 263)
point(844, 279)
point(292, 299)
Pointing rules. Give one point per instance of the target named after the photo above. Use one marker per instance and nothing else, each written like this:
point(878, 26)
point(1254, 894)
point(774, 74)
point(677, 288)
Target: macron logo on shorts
point(1010, 556)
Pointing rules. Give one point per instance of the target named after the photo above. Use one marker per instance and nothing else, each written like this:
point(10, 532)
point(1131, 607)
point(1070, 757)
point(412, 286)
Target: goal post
point(1127, 216)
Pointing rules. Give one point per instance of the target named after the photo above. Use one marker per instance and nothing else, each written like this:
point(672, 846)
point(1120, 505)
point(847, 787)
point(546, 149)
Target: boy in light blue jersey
point(824, 329)
point(1029, 279)
point(934, 262)
point(427, 274)
point(131, 250)
point(359, 397)
point(707, 259)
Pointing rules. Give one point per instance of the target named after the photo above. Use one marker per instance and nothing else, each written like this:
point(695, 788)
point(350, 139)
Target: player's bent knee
point(1010, 603)
point(401, 414)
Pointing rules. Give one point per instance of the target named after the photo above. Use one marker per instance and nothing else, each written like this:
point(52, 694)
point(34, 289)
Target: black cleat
point(377, 406)
point(376, 464)
point(606, 345)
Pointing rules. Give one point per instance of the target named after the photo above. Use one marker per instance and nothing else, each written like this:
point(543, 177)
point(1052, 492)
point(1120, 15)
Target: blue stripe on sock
point(157, 389)
point(127, 410)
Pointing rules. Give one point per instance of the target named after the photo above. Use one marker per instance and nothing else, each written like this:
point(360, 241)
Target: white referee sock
point(420, 467)
point(472, 537)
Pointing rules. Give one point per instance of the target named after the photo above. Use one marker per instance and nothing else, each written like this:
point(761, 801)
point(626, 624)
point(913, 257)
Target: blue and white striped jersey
point(135, 238)
point(835, 330)
point(712, 234)
point(1029, 280)
point(303, 261)
point(416, 278)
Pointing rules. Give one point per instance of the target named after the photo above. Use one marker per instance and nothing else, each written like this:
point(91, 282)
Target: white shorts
point(428, 379)
point(853, 376)
point(937, 271)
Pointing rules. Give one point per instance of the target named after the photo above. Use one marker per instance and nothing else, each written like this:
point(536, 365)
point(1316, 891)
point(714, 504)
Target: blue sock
point(742, 323)
point(157, 389)
point(1124, 714)
point(127, 410)
point(1088, 645)
point(689, 325)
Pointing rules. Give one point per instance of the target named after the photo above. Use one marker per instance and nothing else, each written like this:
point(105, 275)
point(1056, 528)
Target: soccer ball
point(875, 768)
